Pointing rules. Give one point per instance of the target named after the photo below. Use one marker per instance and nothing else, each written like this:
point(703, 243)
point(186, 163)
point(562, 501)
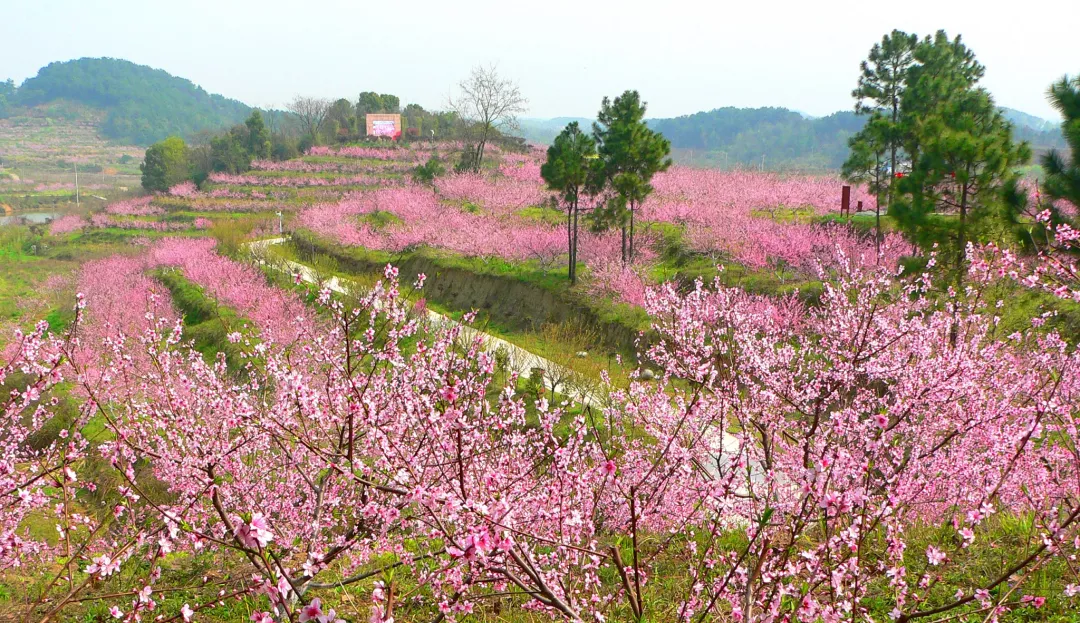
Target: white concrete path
point(571, 384)
point(582, 391)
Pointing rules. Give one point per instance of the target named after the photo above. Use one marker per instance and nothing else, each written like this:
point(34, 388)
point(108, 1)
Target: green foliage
point(1063, 175)
point(631, 154)
point(573, 168)
point(7, 95)
point(340, 120)
point(284, 147)
point(868, 162)
point(233, 151)
point(928, 115)
point(427, 172)
point(258, 136)
point(144, 105)
point(469, 160)
point(880, 91)
point(228, 153)
point(165, 165)
point(374, 103)
point(963, 155)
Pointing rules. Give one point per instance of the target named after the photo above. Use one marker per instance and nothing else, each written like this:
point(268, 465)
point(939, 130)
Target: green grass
point(379, 219)
point(206, 323)
point(545, 215)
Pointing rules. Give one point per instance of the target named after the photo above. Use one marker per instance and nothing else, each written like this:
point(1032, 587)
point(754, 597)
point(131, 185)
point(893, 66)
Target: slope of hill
point(1021, 119)
point(141, 104)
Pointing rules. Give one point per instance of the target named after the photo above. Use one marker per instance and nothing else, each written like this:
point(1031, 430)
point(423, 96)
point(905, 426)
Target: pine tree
point(966, 166)
point(1063, 176)
point(881, 86)
point(869, 164)
point(573, 170)
point(631, 154)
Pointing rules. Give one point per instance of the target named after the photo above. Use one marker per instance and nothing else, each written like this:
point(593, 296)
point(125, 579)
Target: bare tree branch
point(488, 105)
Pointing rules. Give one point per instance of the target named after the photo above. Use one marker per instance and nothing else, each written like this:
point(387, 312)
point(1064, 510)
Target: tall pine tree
point(882, 82)
point(1063, 175)
point(869, 163)
point(573, 170)
point(631, 154)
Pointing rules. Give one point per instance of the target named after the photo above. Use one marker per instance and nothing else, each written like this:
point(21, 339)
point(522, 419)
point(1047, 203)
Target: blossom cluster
point(811, 441)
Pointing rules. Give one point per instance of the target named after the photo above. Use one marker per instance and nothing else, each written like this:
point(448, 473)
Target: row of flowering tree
point(852, 461)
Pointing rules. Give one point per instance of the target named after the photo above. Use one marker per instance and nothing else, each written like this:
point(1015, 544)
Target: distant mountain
point(741, 136)
point(544, 131)
point(732, 137)
point(1021, 119)
point(141, 104)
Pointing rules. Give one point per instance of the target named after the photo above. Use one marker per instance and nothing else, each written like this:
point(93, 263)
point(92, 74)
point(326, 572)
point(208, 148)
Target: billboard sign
point(383, 124)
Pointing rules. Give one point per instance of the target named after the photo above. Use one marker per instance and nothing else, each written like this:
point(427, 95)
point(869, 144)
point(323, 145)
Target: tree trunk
point(961, 236)
point(573, 259)
point(877, 228)
point(877, 209)
point(479, 155)
point(631, 233)
point(623, 249)
point(892, 144)
point(570, 243)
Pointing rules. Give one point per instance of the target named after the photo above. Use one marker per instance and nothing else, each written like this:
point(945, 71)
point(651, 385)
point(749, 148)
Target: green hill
point(732, 137)
point(141, 104)
point(544, 131)
point(741, 136)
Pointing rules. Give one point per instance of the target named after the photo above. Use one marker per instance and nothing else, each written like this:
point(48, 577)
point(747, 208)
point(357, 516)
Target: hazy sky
point(682, 56)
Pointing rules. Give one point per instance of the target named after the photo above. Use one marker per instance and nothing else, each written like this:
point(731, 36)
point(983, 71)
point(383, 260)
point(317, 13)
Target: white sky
point(682, 56)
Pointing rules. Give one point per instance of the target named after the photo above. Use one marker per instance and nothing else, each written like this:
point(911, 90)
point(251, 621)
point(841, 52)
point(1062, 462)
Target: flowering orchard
point(851, 461)
point(757, 220)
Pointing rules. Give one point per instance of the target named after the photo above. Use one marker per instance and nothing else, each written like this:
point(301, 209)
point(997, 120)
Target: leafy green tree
point(882, 82)
point(372, 102)
point(427, 172)
point(341, 116)
point(229, 152)
point(390, 103)
point(369, 102)
point(1063, 176)
point(573, 169)
point(7, 95)
point(258, 136)
point(165, 165)
point(869, 163)
point(943, 68)
point(966, 168)
point(631, 154)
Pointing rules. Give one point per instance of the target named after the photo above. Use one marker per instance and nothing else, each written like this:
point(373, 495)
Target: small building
point(383, 125)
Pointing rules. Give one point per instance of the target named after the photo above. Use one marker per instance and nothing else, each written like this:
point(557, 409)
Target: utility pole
point(279, 222)
point(76, 184)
